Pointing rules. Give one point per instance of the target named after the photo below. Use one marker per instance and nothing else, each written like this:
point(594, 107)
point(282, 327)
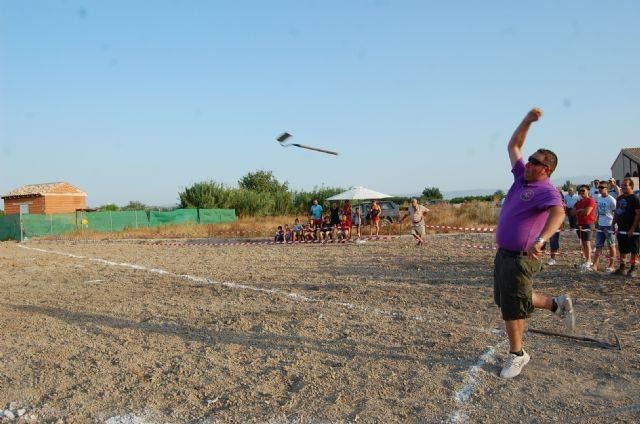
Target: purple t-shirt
point(525, 211)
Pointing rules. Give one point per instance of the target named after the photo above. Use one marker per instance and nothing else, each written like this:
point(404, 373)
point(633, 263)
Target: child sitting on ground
point(343, 228)
point(279, 235)
point(296, 230)
point(326, 231)
point(287, 233)
point(309, 232)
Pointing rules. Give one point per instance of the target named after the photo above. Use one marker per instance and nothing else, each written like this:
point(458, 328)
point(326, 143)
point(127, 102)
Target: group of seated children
point(312, 232)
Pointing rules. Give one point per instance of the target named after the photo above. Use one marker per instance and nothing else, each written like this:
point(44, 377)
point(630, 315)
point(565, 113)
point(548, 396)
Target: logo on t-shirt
point(526, 195)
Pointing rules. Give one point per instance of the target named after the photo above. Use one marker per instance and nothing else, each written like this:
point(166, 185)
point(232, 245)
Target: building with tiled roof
point(46, 198)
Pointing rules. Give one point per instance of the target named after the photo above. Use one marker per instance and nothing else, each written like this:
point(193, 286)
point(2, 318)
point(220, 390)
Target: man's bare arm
point(554, 221)
point(517, 139)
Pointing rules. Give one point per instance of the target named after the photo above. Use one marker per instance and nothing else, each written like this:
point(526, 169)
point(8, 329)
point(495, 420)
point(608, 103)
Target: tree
point(566, 185)
point(262, 182)
point(135, 206)
point(109, 207)
point(432, 193)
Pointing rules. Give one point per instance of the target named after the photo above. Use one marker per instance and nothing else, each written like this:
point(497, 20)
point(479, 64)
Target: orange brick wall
point(46, 204)
point(12, 206)
point(64, 204)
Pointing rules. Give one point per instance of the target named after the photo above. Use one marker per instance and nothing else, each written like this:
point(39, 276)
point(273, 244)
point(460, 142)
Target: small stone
point(13, 406)
point(8, 414)
point(21, 412)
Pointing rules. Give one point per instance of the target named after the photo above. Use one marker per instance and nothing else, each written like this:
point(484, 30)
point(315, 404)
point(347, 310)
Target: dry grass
point(466, 215)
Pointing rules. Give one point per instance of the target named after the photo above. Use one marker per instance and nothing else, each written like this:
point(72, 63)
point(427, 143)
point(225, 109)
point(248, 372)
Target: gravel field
point(384, 331)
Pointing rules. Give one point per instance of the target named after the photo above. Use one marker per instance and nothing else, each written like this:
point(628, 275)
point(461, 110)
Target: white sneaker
point(565, 310)
point(552, 262)
point(513, 365)
point(586, 267)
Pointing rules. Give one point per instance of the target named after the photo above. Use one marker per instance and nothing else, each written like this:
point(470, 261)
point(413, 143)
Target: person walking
point(417, 213)
point(627, 217)
point(532, 213)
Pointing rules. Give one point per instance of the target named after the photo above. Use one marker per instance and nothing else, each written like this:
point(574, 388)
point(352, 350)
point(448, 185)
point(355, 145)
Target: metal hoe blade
point(284, 136)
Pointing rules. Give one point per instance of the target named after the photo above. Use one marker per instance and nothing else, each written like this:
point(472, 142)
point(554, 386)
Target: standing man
point(417, 213)
point(614, 188)
point(532, 213)
point(570, 199)
point(585, 211)
point(316, 213)
point(627, 217)
point(593, 191)
point(604, 235)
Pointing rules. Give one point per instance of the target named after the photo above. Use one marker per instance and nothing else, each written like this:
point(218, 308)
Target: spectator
point(357, 220)
point(585, 211)
point(614, 188)
point(627, 216)
point(296, 230)
point(279, 238)
point(344, 228)
point(604, 234)
point(375, 213)
point(570, 200)
point(316, 213)
point(288, 235)
point(554, 241)
point(310, 233)
point(593, 191)
point(326, 231)
point(346, 211)
point(417, 214)
point(334, 214)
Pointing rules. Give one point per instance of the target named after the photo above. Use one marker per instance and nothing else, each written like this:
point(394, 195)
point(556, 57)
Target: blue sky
point(136, 100)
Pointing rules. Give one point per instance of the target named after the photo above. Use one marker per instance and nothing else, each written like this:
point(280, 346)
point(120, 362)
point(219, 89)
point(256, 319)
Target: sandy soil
point(378, 332)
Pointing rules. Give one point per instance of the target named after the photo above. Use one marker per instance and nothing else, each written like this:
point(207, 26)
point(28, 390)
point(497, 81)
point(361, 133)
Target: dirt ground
point(127, 332)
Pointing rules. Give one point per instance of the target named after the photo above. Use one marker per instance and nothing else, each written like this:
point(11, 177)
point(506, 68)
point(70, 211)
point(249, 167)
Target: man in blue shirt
point(316, 213)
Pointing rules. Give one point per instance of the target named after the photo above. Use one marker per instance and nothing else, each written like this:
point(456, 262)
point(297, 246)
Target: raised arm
point(517, 139)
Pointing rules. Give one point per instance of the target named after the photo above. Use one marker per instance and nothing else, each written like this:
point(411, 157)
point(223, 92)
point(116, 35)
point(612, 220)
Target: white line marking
point(290, 295)
point(463, 395)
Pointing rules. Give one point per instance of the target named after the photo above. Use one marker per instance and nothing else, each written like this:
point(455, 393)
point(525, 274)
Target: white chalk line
point(289, 295)
point(461, 397)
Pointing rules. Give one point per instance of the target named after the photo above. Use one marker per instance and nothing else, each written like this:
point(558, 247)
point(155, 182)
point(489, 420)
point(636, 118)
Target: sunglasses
point(582, 191)
point(534, 161)
point(601, 187)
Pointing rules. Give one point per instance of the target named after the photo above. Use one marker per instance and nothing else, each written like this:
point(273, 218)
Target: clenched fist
point(533, 115)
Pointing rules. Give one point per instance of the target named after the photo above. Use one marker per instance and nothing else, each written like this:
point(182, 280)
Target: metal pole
point(21, 227)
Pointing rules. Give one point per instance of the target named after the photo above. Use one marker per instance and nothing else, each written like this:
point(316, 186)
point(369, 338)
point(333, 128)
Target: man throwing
point(532, 213)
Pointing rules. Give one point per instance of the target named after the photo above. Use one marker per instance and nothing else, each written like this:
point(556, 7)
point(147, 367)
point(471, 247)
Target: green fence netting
point(112, 221)
point(216, 216)
point(10, 227)
point(36, 225)
point(179, 216)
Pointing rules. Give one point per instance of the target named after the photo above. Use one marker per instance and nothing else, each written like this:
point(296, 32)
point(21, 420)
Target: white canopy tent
point(359, 193)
